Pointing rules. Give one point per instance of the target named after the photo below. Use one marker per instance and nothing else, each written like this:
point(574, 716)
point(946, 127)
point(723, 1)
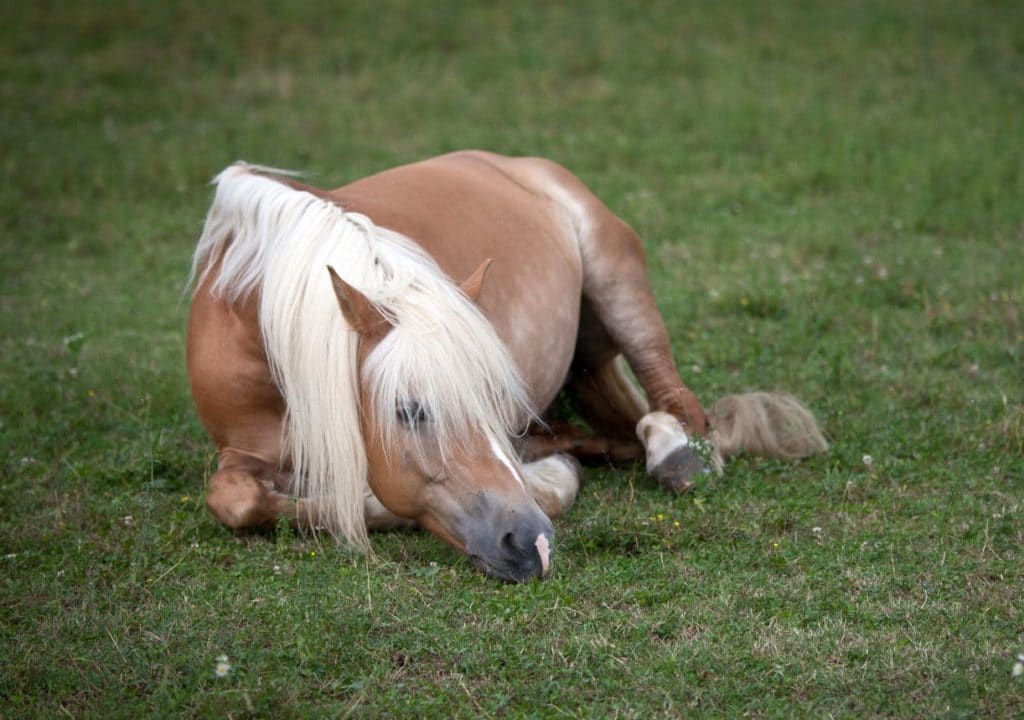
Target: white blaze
point(500, 454)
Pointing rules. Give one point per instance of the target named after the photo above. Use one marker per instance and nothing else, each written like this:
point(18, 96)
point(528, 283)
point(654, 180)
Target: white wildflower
point(869, 462)
point(223, 667)
point(816, 530)
point(1018, 667)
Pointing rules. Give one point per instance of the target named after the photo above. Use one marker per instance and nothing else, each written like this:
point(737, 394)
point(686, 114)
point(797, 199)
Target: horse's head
point(433, 454)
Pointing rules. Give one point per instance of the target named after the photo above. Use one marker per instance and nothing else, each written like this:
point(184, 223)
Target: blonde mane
point(443, 355)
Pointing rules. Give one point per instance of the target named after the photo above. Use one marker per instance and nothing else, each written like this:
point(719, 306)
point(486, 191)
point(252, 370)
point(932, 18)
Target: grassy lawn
point(832, 197)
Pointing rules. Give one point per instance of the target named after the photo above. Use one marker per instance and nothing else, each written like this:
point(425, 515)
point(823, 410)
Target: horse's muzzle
point(515, 546)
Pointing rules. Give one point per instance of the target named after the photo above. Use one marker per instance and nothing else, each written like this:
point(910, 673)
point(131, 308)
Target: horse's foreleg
point(247, 493)
point(554, 483)
point(379, 517)
point(243, 495)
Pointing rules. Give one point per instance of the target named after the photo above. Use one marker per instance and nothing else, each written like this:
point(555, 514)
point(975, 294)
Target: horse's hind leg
point(586, 447)
point(617, 295)
point(605, 398)
point(620, 315)
point(610, 403)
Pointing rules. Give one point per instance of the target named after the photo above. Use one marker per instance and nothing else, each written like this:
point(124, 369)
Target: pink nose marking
point(544, 549)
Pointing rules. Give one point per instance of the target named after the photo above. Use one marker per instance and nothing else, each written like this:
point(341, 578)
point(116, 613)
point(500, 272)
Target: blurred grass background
point(832, 199)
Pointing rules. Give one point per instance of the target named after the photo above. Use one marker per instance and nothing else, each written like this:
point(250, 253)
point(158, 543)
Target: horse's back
point(459, 205)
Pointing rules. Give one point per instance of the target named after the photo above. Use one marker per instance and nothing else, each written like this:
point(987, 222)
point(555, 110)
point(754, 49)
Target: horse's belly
point(539, 328)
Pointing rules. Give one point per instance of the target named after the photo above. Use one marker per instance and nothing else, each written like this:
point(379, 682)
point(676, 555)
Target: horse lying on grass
point(349, 384)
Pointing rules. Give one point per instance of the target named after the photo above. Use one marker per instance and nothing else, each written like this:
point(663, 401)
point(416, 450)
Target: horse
point(382, 355)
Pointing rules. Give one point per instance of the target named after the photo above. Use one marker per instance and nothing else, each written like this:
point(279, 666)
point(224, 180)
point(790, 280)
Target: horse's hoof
point(677, 471)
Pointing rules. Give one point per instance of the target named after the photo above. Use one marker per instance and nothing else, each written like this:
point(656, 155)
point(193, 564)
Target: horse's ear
point(471, 286)
point(359, 311)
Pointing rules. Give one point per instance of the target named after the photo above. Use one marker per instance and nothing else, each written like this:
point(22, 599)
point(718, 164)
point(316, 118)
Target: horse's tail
point(769, 424)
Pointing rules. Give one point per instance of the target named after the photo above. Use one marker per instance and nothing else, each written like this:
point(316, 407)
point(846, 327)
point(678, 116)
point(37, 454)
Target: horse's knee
point(241, 501)
point(554, 483)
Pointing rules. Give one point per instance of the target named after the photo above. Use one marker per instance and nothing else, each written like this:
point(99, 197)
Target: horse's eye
point(411, 414)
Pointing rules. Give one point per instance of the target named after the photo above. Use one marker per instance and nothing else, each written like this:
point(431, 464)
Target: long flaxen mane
point(263, 236)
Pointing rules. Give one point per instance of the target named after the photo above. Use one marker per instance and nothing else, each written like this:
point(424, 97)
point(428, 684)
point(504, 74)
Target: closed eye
point(411, 415)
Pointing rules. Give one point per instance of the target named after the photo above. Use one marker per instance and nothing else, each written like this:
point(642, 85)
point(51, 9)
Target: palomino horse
point(349, 384)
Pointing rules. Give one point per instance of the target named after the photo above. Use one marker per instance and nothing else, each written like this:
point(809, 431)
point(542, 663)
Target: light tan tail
point(770, 424)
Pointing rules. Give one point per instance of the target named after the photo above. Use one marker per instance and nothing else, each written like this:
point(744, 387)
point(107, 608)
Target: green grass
point(832, 198)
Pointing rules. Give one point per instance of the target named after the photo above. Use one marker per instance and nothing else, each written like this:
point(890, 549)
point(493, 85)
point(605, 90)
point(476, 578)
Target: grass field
point(832, 198)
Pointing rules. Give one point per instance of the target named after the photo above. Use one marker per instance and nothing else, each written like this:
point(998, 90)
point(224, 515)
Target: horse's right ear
point(359, 311)
point(472, 285)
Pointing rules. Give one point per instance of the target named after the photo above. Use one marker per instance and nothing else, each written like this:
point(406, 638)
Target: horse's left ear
point(359, 310)
point(472, 285)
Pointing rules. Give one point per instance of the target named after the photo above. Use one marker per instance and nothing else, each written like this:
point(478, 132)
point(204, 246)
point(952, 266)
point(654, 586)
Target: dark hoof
point(676, 473)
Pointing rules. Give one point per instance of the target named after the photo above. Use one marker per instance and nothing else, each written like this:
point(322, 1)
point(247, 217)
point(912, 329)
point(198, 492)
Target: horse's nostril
point(508, 542)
